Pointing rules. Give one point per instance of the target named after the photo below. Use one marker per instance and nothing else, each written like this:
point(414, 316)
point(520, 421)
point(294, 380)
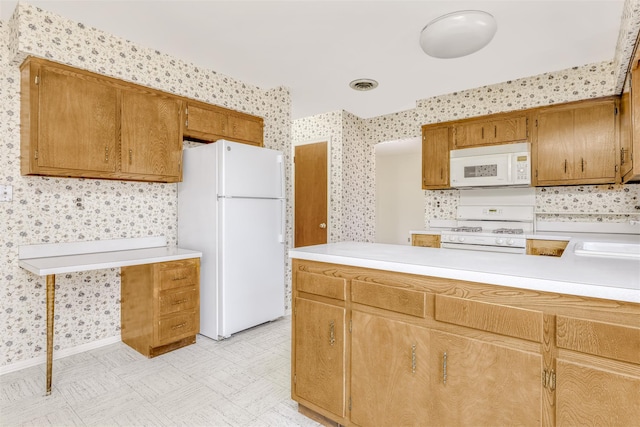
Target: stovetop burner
point(467, 229)
point(508, 231)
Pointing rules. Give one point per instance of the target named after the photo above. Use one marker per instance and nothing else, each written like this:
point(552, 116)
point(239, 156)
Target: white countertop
point(609, 278)
point(101, 260)
point(57, 258)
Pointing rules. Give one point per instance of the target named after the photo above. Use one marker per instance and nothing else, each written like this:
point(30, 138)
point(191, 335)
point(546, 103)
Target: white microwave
point(495, 165)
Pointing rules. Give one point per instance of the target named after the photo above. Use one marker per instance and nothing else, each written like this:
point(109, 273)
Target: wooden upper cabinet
point(151, 135)
point(205, 122)
point(630, 129)
point(68, 123)
point(210, 123)
point(246, 128)
point(576, 143)
point(435, 157)
point(491, 130)
point(79, 124)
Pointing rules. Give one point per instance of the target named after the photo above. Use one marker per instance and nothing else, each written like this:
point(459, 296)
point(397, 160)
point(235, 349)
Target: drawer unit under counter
point(160, 306)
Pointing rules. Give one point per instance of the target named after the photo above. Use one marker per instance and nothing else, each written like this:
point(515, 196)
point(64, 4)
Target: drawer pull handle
point(179, 301)
point(180, 325)
point(444, 368)
point(332, 333)
point(175, 279)
point(413, 359)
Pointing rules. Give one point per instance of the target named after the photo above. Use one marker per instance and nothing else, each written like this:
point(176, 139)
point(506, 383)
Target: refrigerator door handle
point(283, 204)
point(281, 168)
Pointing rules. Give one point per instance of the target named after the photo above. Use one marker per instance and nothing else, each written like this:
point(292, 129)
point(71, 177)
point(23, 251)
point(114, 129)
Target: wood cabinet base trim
point(157, 351)
point(309, 413)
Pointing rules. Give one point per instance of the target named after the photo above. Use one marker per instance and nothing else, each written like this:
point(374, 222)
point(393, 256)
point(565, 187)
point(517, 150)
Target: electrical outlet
point(6, 193)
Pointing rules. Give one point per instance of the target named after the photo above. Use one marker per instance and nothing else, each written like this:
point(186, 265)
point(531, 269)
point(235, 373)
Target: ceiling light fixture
point(458, 34)
point(363, 84)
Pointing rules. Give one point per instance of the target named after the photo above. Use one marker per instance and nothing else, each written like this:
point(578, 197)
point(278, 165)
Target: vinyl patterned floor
point(241, 381)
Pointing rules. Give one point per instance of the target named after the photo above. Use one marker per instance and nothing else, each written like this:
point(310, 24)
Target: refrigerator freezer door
point(248, 171)
point(251, 260)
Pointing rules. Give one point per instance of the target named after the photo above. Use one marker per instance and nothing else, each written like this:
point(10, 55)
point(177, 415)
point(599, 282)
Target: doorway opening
point(400, 199)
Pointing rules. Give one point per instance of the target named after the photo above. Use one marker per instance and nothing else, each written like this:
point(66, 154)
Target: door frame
point(294, 144)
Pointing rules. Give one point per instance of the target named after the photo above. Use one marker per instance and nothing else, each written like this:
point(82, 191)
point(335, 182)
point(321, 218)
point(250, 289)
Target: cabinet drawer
point(619, 342)
point(317, 284)
point(546, 247)
point(510, 321)
point(425, 240)
point(178, 277)
point(175, 327)
point(407, 301)
point(178, 300)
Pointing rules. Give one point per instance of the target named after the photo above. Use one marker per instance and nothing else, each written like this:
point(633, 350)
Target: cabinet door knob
point(323, 225)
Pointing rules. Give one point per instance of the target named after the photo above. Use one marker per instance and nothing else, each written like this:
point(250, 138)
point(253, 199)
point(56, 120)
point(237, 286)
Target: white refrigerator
point(231, 207)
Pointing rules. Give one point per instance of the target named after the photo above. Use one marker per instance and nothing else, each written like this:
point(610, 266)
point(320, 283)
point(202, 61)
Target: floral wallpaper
point(50, 210)
point(580, 82)
point(61, 210)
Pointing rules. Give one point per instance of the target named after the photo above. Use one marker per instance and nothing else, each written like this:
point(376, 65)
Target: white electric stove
point(495, 220)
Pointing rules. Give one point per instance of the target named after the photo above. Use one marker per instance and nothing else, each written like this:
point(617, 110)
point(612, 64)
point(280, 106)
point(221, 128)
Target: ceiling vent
point(363, 84)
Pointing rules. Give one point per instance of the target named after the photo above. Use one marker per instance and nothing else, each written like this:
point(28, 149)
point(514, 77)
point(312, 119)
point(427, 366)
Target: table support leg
point(51, 292)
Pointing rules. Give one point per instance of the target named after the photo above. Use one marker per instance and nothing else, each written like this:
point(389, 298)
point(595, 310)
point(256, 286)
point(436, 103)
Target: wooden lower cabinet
point(426, 240)
point(479, 383)
point(160, 305)
point(319, 355)
point(591, 395)
point(379, 348)
point(389, 372)
point(540, 247)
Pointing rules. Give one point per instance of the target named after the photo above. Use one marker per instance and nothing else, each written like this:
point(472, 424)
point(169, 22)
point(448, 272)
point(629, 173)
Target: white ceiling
point(316, 48)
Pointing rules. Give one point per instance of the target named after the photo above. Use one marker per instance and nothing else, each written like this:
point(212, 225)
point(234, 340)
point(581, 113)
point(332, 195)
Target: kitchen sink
point(609, 250)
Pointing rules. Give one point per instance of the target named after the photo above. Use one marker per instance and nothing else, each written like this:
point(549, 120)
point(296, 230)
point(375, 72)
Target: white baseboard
point(58, 354)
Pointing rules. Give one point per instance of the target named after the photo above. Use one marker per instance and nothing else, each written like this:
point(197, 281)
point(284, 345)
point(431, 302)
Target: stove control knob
point(460, 239)
point(499, 241)
point(510, 242)
point(452, 238)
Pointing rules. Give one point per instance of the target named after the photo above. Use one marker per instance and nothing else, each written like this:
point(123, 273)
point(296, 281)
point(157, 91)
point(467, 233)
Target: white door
point(248, 171)
point(251, 263)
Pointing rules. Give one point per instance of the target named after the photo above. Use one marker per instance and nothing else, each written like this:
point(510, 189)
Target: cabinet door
point(626, 137)
point(487, 132)
point(425, 240)
point(319, 354)
point(469, 135)
point(555, 145)
point(594, 136)
point(592, 396)
point(206, 123)
point(480, 383)
point(151, 135)
point(631, 154)
point(508, 130)
point(77, 123)
point(245, 129)
point(435, 157)
point(389, 372)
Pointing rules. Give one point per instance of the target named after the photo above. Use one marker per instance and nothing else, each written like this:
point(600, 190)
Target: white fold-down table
point(56, 258)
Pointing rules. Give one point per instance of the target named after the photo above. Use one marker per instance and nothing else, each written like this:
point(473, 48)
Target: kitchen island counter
point(597, 277)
